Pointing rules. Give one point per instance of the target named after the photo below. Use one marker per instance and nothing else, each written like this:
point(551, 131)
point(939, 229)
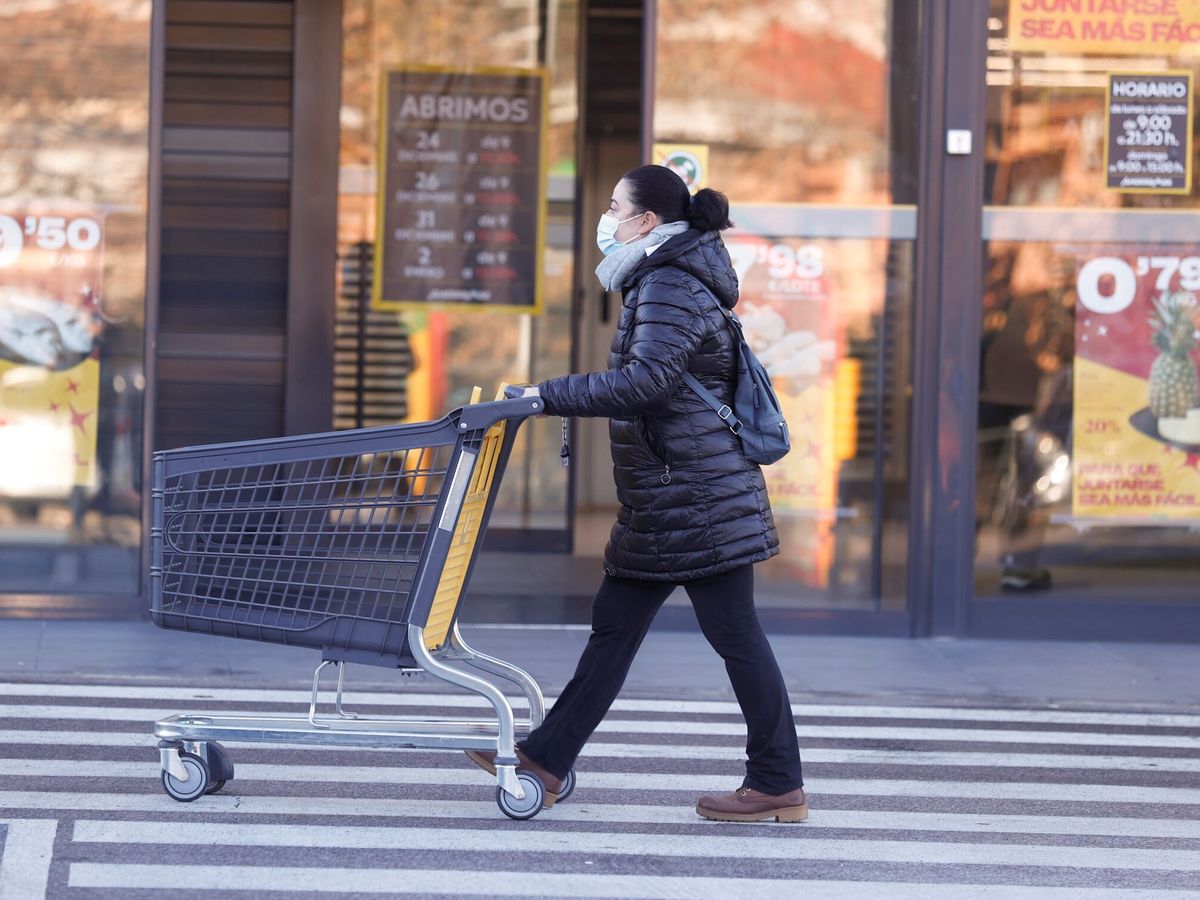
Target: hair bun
point(709, 210)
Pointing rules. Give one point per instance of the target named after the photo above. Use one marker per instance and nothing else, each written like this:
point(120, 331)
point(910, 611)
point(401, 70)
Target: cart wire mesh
point(287, 545)
point(338, 541)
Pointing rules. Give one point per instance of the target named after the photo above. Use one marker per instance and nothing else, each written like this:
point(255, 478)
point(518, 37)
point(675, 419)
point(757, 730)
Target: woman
point(694, 511)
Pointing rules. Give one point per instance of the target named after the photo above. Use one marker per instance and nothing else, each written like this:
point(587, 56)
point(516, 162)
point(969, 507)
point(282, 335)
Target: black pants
point(621, 616)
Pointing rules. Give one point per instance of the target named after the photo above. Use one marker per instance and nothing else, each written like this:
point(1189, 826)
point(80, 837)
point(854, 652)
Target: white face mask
point(606, 233)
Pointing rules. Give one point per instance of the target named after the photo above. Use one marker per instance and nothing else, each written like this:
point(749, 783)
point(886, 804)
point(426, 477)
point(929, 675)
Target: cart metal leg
point(506, 747)
point(316, 689)
point(506, 670)
point(342, 714)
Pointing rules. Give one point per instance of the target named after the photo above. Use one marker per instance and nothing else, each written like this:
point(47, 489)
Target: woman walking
point(694, 511)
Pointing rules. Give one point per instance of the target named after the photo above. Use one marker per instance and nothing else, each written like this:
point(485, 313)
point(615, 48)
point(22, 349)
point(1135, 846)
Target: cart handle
point(485, 415)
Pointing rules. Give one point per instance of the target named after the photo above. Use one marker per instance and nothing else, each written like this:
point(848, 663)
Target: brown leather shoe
point(486, 760)
point(748, 805)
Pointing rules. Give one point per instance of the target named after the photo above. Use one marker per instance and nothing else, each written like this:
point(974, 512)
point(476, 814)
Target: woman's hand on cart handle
point(515, 391)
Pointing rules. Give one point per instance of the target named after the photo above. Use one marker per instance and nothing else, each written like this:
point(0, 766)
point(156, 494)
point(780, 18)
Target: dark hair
point(660, 190)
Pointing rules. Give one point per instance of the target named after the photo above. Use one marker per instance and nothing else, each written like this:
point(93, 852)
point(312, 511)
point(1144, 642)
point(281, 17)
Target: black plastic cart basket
point(359, 544)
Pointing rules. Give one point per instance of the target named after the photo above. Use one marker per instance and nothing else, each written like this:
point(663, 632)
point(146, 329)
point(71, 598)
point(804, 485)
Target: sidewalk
point(1153, 677)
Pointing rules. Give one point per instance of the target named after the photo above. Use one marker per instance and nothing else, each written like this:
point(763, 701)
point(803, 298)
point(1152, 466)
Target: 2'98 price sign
point(69, 240)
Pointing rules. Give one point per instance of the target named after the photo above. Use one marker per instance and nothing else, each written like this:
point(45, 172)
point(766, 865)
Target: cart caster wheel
point(568, 787)
point(197, 782)
point(535, 796)
point(220, 767)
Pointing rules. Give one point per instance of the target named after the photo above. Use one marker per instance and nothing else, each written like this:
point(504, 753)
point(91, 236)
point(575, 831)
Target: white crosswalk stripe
point(724, 729)
point(936, 802)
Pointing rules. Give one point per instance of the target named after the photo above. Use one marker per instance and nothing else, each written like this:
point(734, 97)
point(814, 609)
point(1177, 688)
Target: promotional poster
point(788, 318)
point(51, 265)
point(1135, 27)
point(1136, 430)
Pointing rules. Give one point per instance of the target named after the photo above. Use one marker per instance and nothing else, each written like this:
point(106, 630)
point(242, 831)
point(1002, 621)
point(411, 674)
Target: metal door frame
point(947, 320)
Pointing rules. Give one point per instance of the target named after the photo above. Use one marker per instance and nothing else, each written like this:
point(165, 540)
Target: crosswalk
point(907, 801)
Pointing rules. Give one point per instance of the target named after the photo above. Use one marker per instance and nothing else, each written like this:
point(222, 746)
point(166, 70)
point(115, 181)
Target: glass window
point(806, 121)
point(417, 364)
point(1088, 438)
point(74, 87)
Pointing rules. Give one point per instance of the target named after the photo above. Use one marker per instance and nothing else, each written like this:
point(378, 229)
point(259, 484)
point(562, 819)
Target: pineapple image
point(1173, 383)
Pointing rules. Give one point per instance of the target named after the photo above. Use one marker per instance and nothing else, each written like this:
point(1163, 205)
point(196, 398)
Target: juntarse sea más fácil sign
point(461, 215)
point(1139, 27)
point(1148, 126)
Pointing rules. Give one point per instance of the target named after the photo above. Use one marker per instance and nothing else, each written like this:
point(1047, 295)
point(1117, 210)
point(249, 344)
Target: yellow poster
point(788, 318)
point(689, 161)
point(51, 267)
point(1150, 27)
point(1136, 424)
point(48, 428)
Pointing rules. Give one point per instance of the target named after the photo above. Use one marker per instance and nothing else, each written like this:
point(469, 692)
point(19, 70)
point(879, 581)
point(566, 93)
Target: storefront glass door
point(806, 119)
point(465, 175)
point(1088, 466)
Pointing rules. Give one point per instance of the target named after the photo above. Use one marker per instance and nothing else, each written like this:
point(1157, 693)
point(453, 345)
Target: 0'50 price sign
point(68, 240)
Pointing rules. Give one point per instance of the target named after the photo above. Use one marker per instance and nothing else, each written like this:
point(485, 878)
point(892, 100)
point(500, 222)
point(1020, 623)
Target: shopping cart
point(359, 544)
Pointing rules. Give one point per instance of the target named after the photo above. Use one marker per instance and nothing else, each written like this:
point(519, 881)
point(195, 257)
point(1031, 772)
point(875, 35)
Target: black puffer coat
point(692, 505)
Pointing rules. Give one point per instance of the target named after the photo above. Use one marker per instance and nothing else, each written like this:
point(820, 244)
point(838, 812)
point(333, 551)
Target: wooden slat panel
point(228, 165)
point(222, 314)
point(225, 218)
point(214, 316)
point(229, 12)
point(220, 344)
point(226, 37)
point(173, 438)
point(191, 88)
point(256, 141)
point(613, 80)
point(211, 242)
point(263, 115)
point(217, 192)
point(225, 371)
point(191, 393)
point(217, 268)
point(235, 64)
point(186, 426)
point(182, 293)
point(226, 195)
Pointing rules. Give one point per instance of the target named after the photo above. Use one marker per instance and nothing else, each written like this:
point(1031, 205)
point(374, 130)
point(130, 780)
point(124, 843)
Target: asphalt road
point(938, 800)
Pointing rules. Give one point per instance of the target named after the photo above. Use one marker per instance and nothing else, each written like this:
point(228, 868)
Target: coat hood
point(702, 254)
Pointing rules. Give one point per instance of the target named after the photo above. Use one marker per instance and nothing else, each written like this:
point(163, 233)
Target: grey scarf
point(616, 266)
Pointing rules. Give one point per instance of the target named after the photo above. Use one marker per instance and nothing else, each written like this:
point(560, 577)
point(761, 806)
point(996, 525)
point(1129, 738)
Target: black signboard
point(461, 206)
point(1148, 143)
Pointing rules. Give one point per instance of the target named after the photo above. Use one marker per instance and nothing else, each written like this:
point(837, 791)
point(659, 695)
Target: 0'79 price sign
point(1149, 132)
point(462, 196)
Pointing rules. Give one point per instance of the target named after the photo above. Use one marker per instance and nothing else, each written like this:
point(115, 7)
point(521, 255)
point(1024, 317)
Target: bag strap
point(721, 409)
